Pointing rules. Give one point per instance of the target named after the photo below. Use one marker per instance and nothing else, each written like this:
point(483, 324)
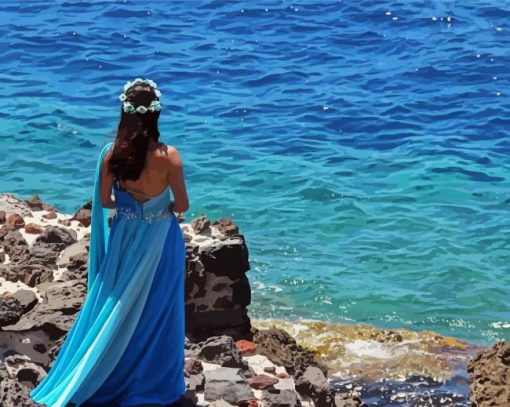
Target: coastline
point(44, 250)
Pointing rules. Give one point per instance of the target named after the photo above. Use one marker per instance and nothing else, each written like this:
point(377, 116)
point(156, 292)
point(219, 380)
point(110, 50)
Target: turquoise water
point(362, 147)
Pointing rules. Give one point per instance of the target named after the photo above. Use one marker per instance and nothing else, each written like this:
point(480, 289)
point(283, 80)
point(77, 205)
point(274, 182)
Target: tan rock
point(33, 228)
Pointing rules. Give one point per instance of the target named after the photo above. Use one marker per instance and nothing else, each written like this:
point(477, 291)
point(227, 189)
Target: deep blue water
point(362, 147)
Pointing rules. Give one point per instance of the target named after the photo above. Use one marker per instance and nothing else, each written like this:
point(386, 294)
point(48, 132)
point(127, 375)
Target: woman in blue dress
point(126, 345)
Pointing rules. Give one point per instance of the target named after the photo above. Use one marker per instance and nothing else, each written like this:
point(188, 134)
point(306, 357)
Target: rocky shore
point(231, 359)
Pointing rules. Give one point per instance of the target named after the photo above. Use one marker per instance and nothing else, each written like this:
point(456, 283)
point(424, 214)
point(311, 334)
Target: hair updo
point(134, 133)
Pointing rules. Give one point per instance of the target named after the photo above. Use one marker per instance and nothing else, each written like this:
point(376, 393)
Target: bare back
point(154, 176)
point(163, 167)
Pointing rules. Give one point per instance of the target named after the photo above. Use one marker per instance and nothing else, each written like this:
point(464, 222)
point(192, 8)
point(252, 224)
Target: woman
point(126, 345)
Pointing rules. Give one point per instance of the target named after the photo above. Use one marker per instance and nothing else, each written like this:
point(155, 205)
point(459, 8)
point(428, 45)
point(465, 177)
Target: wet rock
point(344, 400)
point(35, 203)
point(226, 383)
point(386, 336)
point(10, 203)
point(281, 349)
point(280, 398)
point(489, 371)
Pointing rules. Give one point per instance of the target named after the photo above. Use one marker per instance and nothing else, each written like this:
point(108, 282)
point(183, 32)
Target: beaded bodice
point(151, 210)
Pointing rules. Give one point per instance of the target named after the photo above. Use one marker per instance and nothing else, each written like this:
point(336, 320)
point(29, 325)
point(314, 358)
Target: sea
point(362, 147)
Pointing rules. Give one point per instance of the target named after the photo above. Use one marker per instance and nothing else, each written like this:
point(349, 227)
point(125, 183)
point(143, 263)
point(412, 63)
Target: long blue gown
point(126, 345)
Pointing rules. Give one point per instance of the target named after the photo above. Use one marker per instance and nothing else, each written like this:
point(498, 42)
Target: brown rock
point(65, 222)
point(15, 221)
point(489, 371)
point(201, 225)
point(262, 381)
point(2, 217)
point(226, 226)
point(83, 216)
point(282, 349)
point(33, 228)
point(35, 203)
point(50, 215)
point(245, 347)
point(48, 207)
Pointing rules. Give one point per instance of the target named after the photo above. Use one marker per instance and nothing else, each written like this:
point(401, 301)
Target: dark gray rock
point(14, 245)
point(312, 383)
point(228, 257)
point(57, 312)
point(30, 274)
point(220, 350)
point(228, 384)
point(281, 349)
point(56, 238)
point(13, 307)
point(280, 398)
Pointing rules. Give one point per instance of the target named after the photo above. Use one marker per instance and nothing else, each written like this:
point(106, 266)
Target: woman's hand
point(171, 206)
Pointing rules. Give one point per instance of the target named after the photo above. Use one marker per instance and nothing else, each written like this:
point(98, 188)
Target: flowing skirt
point(126, 346)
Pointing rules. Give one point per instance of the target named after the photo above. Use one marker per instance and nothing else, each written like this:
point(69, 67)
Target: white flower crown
point(129, 108)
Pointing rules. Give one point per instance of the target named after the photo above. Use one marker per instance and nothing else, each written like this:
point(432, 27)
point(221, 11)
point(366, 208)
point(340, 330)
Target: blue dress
point(126, 345)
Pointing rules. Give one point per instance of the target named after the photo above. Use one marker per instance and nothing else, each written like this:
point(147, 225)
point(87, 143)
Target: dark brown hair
point(133, 134)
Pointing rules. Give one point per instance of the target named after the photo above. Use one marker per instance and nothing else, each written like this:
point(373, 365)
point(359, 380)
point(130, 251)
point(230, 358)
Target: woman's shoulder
point(166, 151)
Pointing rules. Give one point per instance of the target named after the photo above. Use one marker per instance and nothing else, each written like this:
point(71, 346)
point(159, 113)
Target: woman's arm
point(106, 183)
point(175, 178)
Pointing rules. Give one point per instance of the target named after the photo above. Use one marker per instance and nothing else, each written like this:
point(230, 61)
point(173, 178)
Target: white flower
point(122, 97)
point(128, 107)
point(155, 106)
point(138, 80)
point(141, 109)
point(158, 93)
point(152, 83)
